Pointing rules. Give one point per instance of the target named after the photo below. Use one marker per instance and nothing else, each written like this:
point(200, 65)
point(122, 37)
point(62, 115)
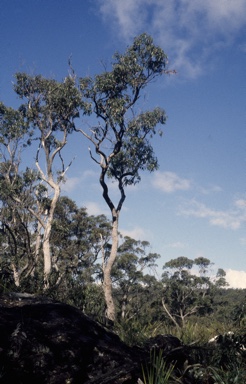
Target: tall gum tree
point(122, 138)
point(188, 291)
point(15, 186)
point(49, 108)
point(129, 277)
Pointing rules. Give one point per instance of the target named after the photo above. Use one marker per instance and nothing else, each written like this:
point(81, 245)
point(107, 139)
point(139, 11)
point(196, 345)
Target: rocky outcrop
point(42, 341)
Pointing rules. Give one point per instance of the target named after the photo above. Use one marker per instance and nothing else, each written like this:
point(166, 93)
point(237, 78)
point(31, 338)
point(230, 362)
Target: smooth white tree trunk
point(107, 281)
point(47, 232)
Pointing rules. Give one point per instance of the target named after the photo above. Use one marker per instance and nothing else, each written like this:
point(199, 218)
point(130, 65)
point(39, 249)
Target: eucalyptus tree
point(188, 288)
point(121, 139)
point(77, 239)
point(128, 275)
point(16, 247)
point(49, 109)
point(17, 184)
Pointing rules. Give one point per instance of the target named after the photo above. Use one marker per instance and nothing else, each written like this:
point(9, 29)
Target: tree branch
point(169, 314)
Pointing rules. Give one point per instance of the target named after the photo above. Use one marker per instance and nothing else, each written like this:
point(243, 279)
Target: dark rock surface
point(48, 342)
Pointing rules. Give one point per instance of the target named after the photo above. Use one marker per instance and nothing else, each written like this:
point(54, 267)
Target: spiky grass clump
point(157, 371)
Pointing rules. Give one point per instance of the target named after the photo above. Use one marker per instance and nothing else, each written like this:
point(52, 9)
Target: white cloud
point(177, 245)
point(232, 219)
point(242, 47)
point(136, 233)
point(95, 208)
point(89, 173)
point(70, 184)
point(242, 241)
point(122, 14)
point(170, 182)
point(210, 189)
point(190, 31)
point(236, 279)
point(240, 203)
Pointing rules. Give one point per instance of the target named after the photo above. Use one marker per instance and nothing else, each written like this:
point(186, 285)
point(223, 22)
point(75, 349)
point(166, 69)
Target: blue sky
point(195, 204)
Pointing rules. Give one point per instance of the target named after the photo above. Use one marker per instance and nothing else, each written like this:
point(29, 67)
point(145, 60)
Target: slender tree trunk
point(123, 306)
point(46, 240)
point(38, 244)
point(169, 314)
point(16, 275)
point(107, 281)
point(47, 255)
